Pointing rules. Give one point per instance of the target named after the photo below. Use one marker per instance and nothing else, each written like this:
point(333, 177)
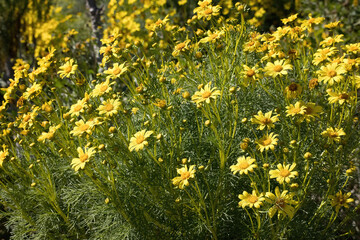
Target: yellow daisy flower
point(102, 88)
point(297, 109)
point(28, 119)
point(333, 134)
point(341, 98)
point(311, 111)
point(82, 127)
point(116, 71)
point(331, 73)
point(205, 94)
point(352, 48)
point(84, 157)
point(293, 90)
point(278, 68)
point(67, 69)
point(48, 135)
point(243, 165)
point(181, 47)
point(33, 89)
point(185, 175)
point(251, 200)
point(250, 75)
point(340, 200)
point(77, 108)
point(212, 36)
point(267, 142)
point(281, 203)
point(138, 142)
point(284, 173)
point(264, 120)
point(109, 107)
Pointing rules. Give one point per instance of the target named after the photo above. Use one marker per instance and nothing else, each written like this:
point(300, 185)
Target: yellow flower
point(250, 75)
point(278, 68)
point(102, 88)
point(333, 134)
point(338, 97)
point(352, 48)
point(251, 200)
point(109, 107)
point(138, 142)
point(77, 108)
point(293, 110)
point(340, 200)
point(212, 36)
point(116, 71)
point(82, 127)
point(3, 154)
point(264, 120)
point(267, 142)
point(244, 165)
point(185, 175)
point(84, 157)
point(28, 119)
point(289, 19)
point(206, 10)
point(311, 111)
point(48, 135)
point(33, 89)
point(281, 203)
point(205, 94)
point(293, 91)
point(331, 73)
point(181, 47)
point(284, 173)
point(67, 69)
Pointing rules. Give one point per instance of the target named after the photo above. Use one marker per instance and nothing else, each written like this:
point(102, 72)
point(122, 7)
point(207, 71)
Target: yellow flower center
point(140, 139)
point(331, 73)
point(116, 71)
point(324, 51)
point(250, 73)
point(295, 110)
point(333, 134)
point(278, 68)
point(27, 118)
point(103, 87)
point(206, 94)
point(213, 36)
point(84, 127)
point(108, 107)
point(180, 46)
point(267, 142)
point(84, 157)
point(353, 48)
point(208, 11)
point(266, 121)
point(284, 173)
point(77, 108)
point(185, 175)
point(244, 165)
point(252, 199)
point(68, 69)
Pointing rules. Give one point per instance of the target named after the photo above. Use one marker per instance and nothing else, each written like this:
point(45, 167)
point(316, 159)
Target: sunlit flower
point(28, 119)
point(84, 157)
point(181, 47)
point(297, 109)
point(116, 71)
point(251, 200)
point(293, 90)
point(278, 68)
point(352, 48)
point(289, 19)
point(207, 12)
point(311, 111)
point(68, 68)
point(264, 120)
point(283, 173)
point(3, 154)
point(341, 98)
point(212, 36)
point(102, 88)
point(109, 107)
point(250, 75)
point(77, 108)
point(185, 174)
point(205, 94)
point(331, 73)
point(138, 142)
point(48, 135)
point(333, 134)
point(340, 200)
point(281, 203)
point(31, 90)
point(82, 127)
point(267, 142)
point(243, 165)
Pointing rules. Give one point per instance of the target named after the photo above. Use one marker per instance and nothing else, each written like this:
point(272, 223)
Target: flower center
point(331, 73)
point(185, 175)
point(208, 11)
point(109, 107)
point(27, 118)
point(68, 69)
point(252, 199)
point(244, 165)
point(344, 96)
point(250, 73)
point(140, 139)
point(180, 46)
point(103, 88)
point(267, 142)
point(353, 48)
point(309, 110)
point(293, 87)
point(333, 134)
point(266, 121)
point(77, 108)
point(324, 51)
point(280, 203)
point(213, 36)
point(206, 94)
point(116, 71)
point(84, 157)
point(284, 173)
point(84, 127)
point(295, 110)
point(278, 68)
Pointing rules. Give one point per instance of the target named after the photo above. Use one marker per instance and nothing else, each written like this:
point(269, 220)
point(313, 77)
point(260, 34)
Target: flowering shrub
point(220, 133)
